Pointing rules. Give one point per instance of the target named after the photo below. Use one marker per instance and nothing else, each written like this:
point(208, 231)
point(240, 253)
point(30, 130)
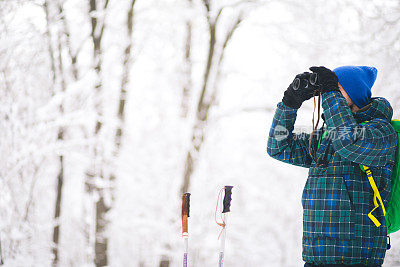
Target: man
point(337, 196)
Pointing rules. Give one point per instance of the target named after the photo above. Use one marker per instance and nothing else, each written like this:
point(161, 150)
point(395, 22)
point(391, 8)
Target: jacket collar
point(379, 108)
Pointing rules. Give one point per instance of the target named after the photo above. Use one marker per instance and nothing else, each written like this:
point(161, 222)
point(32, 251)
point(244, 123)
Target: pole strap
point(220, 204)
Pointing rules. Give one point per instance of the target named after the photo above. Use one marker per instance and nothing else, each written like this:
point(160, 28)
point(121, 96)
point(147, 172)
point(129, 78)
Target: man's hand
point(294, 98)
point(327, 79)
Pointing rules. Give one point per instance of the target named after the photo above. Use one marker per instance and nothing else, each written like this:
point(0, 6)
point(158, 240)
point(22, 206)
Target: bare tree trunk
point(49, 44)
point(103, 206)
point(201, 114)
point(60, 137)
point(125, 79)
point(57, 211)
point(68, 46)
point(62, 44)
point(96, 171)
point(208, 93)
point(188, 66)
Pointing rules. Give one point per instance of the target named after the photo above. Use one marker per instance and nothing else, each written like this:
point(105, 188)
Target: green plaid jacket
point(337, 196)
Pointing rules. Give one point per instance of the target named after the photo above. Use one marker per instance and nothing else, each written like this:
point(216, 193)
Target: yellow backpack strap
point(376, 196)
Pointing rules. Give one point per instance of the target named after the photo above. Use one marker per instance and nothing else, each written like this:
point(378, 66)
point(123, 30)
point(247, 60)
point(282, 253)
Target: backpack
point(392, 211)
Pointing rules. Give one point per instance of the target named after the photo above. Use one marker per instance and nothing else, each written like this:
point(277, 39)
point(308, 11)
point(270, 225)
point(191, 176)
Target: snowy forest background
point(111, 109)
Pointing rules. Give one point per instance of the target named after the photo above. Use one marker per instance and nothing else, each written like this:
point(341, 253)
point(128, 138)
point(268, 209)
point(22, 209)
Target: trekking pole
point(185, 230)
point(226, 209)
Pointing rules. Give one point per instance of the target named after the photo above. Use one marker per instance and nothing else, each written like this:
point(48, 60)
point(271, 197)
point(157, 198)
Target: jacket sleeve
point(371, 144)
point(283, 144)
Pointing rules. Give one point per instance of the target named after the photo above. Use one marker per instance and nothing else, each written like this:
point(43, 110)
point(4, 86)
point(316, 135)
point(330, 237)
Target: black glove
point(327, 79)
point(294, 98)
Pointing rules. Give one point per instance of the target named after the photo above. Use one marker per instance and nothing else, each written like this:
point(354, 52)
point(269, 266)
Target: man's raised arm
point(283, 144)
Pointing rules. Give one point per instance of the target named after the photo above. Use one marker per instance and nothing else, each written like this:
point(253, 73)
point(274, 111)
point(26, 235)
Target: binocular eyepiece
point(312, 80)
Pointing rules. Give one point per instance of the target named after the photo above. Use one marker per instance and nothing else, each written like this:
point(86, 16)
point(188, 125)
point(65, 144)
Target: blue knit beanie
point(357, 81)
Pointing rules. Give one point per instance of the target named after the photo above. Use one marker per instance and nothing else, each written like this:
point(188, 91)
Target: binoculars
point(312, 80)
